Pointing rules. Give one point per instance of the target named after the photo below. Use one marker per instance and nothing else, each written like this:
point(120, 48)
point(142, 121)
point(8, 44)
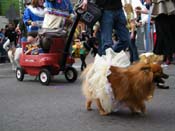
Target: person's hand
point(18, 31)
point(83, 5)
point(136, 10)
point(152, 21)
point(138, 24)
point(33, 23)
point(132, 36)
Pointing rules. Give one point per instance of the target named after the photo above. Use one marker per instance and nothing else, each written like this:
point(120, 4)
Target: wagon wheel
point(19, 74)
point(45, 77)
point(71, 74)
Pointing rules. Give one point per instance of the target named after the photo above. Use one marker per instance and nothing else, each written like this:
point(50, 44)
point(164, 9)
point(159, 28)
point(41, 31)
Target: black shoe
point(82, 69)
point(162, 86)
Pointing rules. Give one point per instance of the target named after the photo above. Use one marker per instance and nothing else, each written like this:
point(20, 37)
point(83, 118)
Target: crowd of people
point(140, 17)
point(36, 15)
point(9, 32)
point(124, 25)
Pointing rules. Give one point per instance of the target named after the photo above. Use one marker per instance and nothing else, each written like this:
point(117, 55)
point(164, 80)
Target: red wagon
point(45, 65)
point(51, 63)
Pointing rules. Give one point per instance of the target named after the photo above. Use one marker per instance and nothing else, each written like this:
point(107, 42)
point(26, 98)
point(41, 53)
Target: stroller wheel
point(19, 74)
point(45, 77)
point(71, 74)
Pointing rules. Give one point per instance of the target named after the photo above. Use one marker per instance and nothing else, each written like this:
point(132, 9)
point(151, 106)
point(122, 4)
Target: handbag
point(92, 15)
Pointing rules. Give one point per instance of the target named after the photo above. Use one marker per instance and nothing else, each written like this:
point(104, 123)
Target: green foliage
point(5, 4)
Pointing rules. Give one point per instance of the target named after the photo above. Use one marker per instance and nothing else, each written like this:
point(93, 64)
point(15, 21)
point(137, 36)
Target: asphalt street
point(30, 106)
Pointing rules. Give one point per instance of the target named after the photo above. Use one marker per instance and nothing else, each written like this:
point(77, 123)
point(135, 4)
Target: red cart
point(45, 65)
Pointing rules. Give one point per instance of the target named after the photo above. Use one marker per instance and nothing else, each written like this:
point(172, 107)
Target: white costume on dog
point(97, 77)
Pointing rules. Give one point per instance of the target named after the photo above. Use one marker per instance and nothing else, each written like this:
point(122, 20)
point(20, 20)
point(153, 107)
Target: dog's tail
point(86, 74)
point(86, 71)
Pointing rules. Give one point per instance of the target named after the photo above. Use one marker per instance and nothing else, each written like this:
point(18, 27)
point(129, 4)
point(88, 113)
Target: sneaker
point(164, 65)
point(162, 86)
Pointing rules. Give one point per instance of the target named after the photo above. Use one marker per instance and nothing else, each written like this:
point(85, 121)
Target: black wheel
point(71, 74)
point(45, 77)
point(19, 74)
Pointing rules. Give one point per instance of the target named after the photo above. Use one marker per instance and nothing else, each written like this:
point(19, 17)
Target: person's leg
point(6, 45)
point(106, 26)
point(124, 36)
point(83, 63)
point(140, 38)
point(146, 38)
point(121, 31)
point(133, 47)
point(98, 37)
point(2, 55)
point(163, 42)
point(17, 54)
point(81, 58)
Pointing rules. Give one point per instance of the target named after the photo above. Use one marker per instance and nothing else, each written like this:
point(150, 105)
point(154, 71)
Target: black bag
point(92, 15)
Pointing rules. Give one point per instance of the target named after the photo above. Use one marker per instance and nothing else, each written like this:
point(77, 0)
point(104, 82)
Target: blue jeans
point(133, 49)
point(115, 19)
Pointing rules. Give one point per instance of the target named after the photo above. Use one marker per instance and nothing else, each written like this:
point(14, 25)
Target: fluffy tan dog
point(150, 57)
point(159, 75)
point(130, 86)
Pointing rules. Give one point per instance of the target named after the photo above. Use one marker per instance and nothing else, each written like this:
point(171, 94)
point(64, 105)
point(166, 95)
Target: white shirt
point(137, 3)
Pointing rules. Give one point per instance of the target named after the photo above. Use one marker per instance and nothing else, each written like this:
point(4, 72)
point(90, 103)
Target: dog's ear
point(146, 68)
point(144, 59)
point(156, 68)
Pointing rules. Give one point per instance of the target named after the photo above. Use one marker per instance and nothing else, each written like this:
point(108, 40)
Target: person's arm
point(2, 37)
point(27, 18)
point(83, 5)
point(96, 28)
point(71, 10)
point(144, 14)
point(142, 11)
point(132, 25)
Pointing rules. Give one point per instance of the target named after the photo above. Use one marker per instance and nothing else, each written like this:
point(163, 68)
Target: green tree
point(5, 4)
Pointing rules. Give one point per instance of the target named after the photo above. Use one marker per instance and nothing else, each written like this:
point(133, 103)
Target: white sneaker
point(164, 65)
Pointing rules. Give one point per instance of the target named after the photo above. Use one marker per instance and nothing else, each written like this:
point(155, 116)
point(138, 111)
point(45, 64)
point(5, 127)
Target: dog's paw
point(89, 109)
point(136, 113)
point(103, 113)
point(139, 113)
